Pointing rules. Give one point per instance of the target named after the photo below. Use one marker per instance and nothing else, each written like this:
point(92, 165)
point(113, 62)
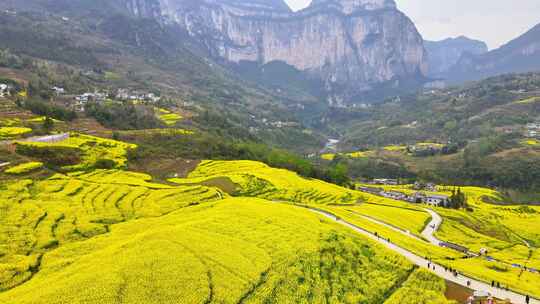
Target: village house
point(82, 100)
point(429, 199)
point(58, 91)
point(394, 195)
point(532, 130)
point(427, 187)
point(151, 97)
point(122, 94)
point(372, 190)
point(431, 187)
point(417, 198)
point(281, 124)
point(385, 181)
point(4, 90)
point(437, 200)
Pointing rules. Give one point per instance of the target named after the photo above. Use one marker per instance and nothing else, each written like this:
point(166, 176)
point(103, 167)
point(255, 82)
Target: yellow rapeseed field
point(13, 132)
point(93, 149)
point(256, 179)
point(38, 216)
point(24, 168)
point(226, 251)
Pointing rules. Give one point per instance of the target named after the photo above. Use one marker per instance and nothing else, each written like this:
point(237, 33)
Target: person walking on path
point(492, 283)
point(527, 299)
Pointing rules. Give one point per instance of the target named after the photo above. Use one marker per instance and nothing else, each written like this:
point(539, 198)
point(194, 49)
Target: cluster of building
point(419, 197)
point(126, 95)
point(532, 130)
point(276, 124)
point(98, 97)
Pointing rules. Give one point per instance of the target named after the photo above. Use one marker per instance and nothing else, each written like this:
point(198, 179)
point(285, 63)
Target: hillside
point(472, 134)
point(517, 56)
point(105, 51)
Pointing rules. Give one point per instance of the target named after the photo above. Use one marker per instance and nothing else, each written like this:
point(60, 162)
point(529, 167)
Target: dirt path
point(461, 280)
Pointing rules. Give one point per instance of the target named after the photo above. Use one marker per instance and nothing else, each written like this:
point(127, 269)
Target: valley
point(237, 151)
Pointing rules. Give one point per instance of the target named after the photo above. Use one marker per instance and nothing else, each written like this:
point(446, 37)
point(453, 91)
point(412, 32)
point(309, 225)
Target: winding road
point(462, 280)
point(432, 227)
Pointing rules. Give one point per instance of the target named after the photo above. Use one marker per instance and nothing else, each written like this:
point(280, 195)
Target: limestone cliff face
point(350, 44)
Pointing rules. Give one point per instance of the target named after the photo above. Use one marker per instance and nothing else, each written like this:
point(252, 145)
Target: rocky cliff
point(352, 45)
point(444, 54)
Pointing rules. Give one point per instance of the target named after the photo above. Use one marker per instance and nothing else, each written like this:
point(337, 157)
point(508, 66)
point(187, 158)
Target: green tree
point(48, 124)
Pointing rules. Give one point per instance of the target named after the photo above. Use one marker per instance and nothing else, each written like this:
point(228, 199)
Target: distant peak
point(351, 6)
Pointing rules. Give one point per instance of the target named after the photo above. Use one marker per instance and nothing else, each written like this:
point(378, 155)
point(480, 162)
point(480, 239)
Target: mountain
point(519, 55)
point(350, 45)
point(444, 54)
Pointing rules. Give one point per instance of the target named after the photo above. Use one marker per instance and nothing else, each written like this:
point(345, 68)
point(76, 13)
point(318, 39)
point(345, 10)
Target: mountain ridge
point(521, 54)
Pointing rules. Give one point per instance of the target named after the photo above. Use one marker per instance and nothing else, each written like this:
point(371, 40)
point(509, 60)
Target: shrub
point(105, 164)
point(56, 155)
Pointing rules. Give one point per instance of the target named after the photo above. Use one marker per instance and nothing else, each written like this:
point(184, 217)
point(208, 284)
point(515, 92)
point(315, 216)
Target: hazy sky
point(493, 21)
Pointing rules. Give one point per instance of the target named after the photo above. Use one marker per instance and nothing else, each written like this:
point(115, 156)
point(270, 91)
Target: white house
point(3, 89)
point(385, 181)
point(437, 200)
point(58, 90)
point(394, 195)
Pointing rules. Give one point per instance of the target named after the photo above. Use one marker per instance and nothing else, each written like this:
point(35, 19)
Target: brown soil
point(162, 169)
point(457, 292)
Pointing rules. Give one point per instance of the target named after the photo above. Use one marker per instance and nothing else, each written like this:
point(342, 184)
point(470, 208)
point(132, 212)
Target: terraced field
point(113, 231)
point(13, 132)
point(92, 149)
point(70, 240)
point(408, 218)
point(509, 233)
point(39, 216)
point(255, 179)
point(168, 117)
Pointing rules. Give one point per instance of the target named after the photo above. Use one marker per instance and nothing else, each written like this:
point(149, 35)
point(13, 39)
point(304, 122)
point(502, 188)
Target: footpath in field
point(462, 280)
point(432, 227)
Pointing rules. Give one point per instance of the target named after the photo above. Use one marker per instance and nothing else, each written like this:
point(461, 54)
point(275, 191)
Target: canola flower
point(24, 168)
point(256, 179)
point(13, 132)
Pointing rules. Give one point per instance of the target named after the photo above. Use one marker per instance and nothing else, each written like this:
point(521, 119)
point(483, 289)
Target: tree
point(48, 124)
point(458, 199)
